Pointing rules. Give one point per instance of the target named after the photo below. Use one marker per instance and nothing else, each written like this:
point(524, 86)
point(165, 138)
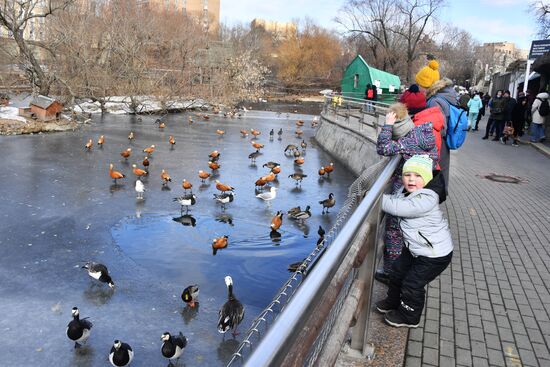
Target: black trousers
point(407, 281)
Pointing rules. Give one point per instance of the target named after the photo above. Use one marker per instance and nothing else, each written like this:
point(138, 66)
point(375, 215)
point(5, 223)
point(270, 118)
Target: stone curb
point(541, 148)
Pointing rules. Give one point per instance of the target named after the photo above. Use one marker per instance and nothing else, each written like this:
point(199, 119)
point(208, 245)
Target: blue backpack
point(457, 125)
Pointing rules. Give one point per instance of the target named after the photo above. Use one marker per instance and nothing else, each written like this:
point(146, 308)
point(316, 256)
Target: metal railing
point(287, 318)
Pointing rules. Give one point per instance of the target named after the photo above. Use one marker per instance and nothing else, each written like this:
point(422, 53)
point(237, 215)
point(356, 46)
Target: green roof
point(358, 74)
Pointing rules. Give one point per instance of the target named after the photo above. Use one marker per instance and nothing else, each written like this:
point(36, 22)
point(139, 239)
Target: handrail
point(283, 333)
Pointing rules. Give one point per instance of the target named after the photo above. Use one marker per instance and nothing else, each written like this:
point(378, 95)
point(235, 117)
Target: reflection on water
point(186, 220)
point(98, 294)
point(227, 347)
point(189, 313)
point(116, 187)
point(83, 356)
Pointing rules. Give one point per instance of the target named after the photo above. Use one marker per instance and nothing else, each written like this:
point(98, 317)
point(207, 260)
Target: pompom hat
point(428, 75)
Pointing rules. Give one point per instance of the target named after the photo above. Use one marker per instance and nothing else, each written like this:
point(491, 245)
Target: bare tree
point(15, 15)
point(541, 10)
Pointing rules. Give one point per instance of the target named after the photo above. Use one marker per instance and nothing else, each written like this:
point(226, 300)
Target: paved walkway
point(491, 307)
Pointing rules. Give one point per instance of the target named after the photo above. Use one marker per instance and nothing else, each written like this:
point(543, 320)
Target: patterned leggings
point(393, 238)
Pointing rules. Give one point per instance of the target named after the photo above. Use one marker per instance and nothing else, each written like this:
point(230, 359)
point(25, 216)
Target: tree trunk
point(37, 77)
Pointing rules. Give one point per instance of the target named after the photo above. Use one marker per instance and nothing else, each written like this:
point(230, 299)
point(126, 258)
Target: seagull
point(78, 330)
point(140, 188)
point(268, 196)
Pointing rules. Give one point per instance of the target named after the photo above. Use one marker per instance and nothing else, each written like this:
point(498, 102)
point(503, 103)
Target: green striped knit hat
point(421, 165)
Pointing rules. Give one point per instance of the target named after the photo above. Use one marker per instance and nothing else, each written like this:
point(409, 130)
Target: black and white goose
point(186, 201)
point(78, 330)
point(252, 156)
point(121, 354)
point(328, 203)
point(271, 134)
point(224, 198)
point(190, 295)
point(271, 164)
point(280, 133)
point(173, 346)
point(99, 272)
point(303, 215)
point(232, 312)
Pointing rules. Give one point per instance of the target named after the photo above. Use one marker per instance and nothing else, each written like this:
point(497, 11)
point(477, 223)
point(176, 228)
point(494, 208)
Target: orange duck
point(213, 165)
point(219, 243)
point(322, 171)
point(126, 153)
point(206, 117)
point(260, 183)
point(203, 175)
point(220, 132)
point(138, 171)
point(269, 177)
point(276, 170)
point(244, 133)
point(101, 140)
point(277, 221)
point(186, 185)
point(329, 168)
point(190, 120)
point(257, 145)
point(165, 177)
point(255, 132)
point(171, 140)
point(299, 161)
point(299, 133)
point(115, 175)
point(223, 187)
point(149, 150)
point(214, 154)
point(89, 144)
point(162, 125)
point(300, 123)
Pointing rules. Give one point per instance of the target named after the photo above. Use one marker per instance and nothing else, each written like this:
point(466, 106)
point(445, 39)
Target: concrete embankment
point(350, 138)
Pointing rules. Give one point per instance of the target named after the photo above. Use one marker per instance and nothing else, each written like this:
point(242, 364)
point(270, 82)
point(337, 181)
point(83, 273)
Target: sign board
point(539, 48)
point(391, 88)
point(377, 83)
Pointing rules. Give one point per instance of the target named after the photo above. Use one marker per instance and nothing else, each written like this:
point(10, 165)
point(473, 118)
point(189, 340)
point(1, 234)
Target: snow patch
point(11, 113)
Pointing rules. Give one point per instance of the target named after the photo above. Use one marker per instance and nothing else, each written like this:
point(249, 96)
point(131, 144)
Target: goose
point(172, 141)
point(126, 153)
point(140, 188)
point(232, 312)
point(89, 145)
point(268, 196)
point(224, 198)
point(277, 221)
point(149, 150)
point(321, 232)
point(290, 147)
point(186, 201)
point(121, 354)
point(303, 215)
point(328, 203)
point(219, 243)
point(78, 330)
point(115, 175)
point(186, 185)
point(101, 141)
point(190, 295)
point(131, 136)
point(252, 156)
point(271, 134)
point(329, 168)
point(303, 144)
point(203, 175)
point(146, 162)
point(271, 164)
point(223, 187)
point(298, 177)
point(165, 177)
point(138, 171)
point(173, 346)
point(280, 133)
point(99, 272)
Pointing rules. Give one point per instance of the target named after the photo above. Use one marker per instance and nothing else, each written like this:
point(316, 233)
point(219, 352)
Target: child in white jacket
point(428, 247)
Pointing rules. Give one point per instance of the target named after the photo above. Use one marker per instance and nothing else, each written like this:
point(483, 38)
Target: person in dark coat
point(508, 108)
point(496, 110)
point(518, 118)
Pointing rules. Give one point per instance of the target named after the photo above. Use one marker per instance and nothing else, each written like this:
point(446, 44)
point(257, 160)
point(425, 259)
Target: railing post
point(366, 273)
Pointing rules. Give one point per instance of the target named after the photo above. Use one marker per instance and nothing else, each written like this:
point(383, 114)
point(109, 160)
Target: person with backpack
point(496, 110)
point(540, 110)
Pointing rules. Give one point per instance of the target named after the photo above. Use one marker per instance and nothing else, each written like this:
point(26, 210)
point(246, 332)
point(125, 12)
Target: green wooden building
point(358, 74)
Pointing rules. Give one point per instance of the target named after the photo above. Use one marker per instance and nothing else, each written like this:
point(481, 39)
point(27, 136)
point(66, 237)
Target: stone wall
point(350, 136)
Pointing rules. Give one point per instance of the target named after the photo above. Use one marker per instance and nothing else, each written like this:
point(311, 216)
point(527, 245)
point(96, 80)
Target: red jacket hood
point(433, 115)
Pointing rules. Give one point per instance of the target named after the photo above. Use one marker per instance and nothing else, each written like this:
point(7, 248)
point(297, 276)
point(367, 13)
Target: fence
point(298, 328)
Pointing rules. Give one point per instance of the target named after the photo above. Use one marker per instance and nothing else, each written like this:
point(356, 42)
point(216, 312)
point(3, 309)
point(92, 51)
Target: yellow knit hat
point(428, 74)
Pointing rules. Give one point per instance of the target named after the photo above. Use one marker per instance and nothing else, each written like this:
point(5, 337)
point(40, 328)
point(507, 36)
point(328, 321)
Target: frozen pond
point(60, 209)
